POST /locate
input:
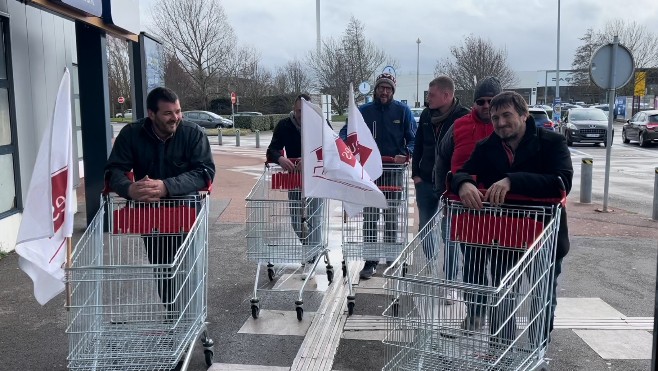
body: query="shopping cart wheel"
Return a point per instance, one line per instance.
(255, 308)
(404, 269)
(350, 308)
(395, 307)
(330, 273)
(208, 354)
(270, 274)
(344, 267)
(299, 309)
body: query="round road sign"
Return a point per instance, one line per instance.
(601, 66)
(121, 100)
(364, 87)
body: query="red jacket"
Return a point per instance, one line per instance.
(467, 132)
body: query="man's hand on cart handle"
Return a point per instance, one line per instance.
(400, 159)
(417, 179)
(471, 196)
(497, 192)
(147, 190)
(286, 164)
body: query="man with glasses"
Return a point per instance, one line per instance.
(393, 127)
(453, 151)
(435, 121)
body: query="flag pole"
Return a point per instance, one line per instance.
(69, 255)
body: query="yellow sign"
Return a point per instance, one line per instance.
(640, 83)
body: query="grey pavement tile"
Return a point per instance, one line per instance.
(585, 308)
(277, 322)
(618, 344)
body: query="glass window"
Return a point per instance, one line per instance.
(7, 183)
(3, 63)
(192, 115)
(5, 120)
(203, 116)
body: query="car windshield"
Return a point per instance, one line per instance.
(539, 116)
(417, 112)
(214, 115)
(589, 115)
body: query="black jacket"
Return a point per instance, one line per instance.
(183, 162)
(286, 136)
(427, 137)
(540, 159)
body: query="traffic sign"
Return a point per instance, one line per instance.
(389, 70)
(364, 87)
(604, 63)
(121, 100)
(234, 98)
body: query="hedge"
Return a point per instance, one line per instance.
(262, 123)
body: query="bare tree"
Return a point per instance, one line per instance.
(177, 79)
(293, 78)
(581, 63)
(198, 34)
(474, 60)
(352, 59)
(642, 43)
(118, 62)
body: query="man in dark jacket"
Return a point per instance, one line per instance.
(393, 127)
(287, 136)
(168, 157)
(442, 111)
(521, 159)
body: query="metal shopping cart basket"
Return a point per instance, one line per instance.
(507, 260)
(283, 227)
(138, 294)
(378, 234)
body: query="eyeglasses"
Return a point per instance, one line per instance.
(481, 102)
(384, 88)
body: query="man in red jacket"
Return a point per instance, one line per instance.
(453, 151)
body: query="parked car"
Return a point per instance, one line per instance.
(643, 127)
(585, 125)
(208, 120)
(541, 118)
(416, 112)
(128, 114)
(606, 109)
(247, 114)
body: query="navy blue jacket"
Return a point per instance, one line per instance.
(392, 125)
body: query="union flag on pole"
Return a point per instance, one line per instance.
(48, 215)
(330, 169)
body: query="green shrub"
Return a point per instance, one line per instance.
(276, 118)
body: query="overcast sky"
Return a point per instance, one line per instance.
(286, 29)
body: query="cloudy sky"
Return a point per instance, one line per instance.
(286, 29)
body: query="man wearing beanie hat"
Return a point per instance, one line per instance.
(393, 127)
(452, 152)
(441, 112)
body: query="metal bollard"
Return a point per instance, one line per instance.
(237, 137)
(220, 138)
(655, 197)
(257, 138)
(586, 180)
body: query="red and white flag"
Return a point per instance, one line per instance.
(49, 207)
(330, 169)
(361, 142)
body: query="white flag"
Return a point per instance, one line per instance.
(330, 170)
(363, 145)
(49, 207)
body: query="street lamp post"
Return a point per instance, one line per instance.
(557, 68)
(417, 74)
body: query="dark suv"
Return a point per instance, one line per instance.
(585, 125)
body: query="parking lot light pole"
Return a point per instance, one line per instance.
(417, 74)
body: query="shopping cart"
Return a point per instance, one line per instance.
(283, 227)
(138, 294)
(378, 234)
(512, 247)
